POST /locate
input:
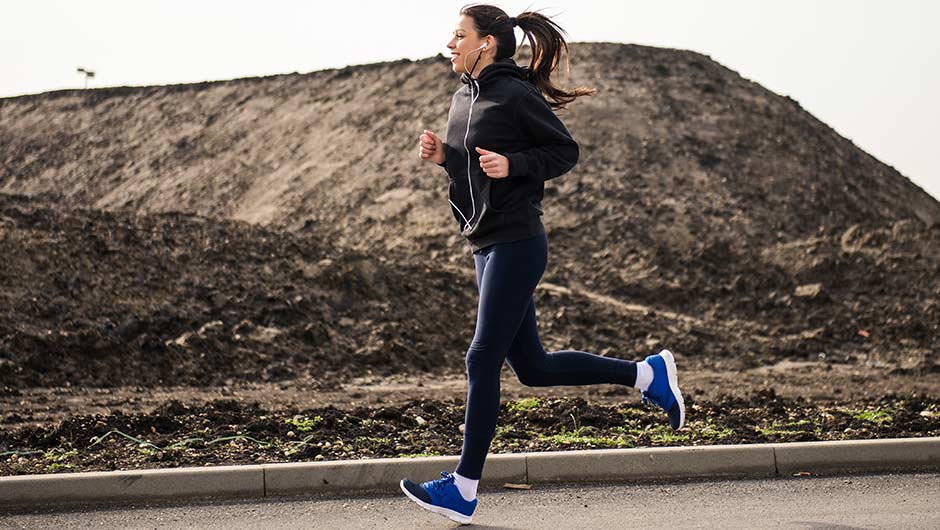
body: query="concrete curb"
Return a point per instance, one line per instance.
(747, 460)
(108, 486)
(861, 455)
(377, 473)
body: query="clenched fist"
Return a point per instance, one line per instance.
(494, 165)
(431, 147)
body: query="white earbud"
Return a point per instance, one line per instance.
(468, 224)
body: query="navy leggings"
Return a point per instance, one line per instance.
(507, 274)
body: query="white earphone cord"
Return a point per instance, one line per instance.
(473, 99)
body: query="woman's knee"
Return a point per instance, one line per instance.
(482, 362)
(529, 374)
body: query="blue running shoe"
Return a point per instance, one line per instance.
(441, 496)
(664, 390)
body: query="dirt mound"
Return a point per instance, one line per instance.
(113, 298)
(674, 147)
(108, 298)
(284, 225)
(869, 292)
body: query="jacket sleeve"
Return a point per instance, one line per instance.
(555, 151)
(452, 157)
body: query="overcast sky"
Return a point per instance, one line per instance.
(869, 69)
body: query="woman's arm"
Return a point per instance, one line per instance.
(555, 152)
(452, 156)
(447, 154)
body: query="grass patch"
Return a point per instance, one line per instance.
(523, 405)
(417, 455)
(59, 459)
(635, 428)
(776, 430)
(664, 434)
(584, 435)
(788, 428)
(668, 437)
(571, 438)
(877, 417)
(712, 432)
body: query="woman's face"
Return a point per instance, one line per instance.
(465, 44)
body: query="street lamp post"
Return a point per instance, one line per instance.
(88, 73)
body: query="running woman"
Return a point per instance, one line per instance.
(503, 142)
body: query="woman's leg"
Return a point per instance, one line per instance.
(507, 276)
(536, 367)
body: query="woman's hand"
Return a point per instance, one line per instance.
(494, 165)
(431, 147)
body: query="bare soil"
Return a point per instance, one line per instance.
(112, 429)
(109, 299)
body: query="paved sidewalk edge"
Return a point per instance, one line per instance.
(261, 480)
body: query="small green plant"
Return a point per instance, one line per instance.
(302, 423)
(59, 459)
(878, 417)
(501, 430)
(295, 446)
(574, 419)
(523, 405)
(361, 440)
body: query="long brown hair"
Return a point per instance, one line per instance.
(546, 39)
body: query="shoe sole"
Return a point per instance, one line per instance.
(446, 512)
(671, 372)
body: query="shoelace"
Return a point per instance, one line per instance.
(440, 483)
(647, 398)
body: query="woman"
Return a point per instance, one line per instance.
(503, 142)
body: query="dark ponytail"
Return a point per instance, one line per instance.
(545, 39)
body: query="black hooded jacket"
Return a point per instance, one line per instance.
(501, 111)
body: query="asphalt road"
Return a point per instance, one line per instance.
(844, 501)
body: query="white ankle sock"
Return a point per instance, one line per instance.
(644, 375)
(467, 486)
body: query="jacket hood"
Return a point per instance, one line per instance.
(498, 68)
